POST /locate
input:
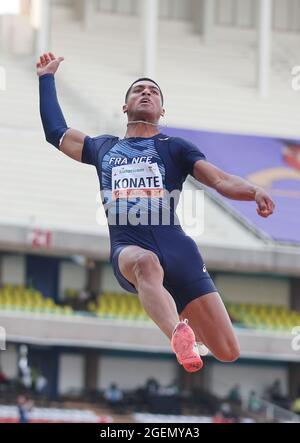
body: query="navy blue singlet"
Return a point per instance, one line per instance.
(140, 181)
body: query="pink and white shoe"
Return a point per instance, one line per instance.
(202, 349)
(184, 345)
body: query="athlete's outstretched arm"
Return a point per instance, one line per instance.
(233, 187)
(69, 141)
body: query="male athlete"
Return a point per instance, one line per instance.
(154, 259)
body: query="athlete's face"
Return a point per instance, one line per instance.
(144, 102)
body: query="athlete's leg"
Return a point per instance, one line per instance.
(211, 324)
(142, 268)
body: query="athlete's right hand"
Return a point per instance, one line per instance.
(48, 64)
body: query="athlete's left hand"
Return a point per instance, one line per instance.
(265, 205)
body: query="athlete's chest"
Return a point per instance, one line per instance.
(136, 166)
(131, 152)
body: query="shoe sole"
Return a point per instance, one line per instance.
(193, 362)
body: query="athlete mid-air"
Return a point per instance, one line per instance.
(150, 257)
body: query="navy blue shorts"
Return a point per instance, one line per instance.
(185, 274)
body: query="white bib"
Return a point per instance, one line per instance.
(138, 180)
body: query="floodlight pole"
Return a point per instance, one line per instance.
(41, 22)
(264, 47)
(150, 28)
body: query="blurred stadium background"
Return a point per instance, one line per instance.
(225, 67)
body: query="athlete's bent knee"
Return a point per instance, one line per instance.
(146, 265)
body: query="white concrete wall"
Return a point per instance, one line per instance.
(294, 22)
(286, 15)
(9, 361)
(13, 269)
(168, 9)
(130, 373)
(71, 276)
(250, 377)
(16, 34)
(253, 289)
(71, 372)
(224, 12)
(246, 13)
(86, 331)
(243, 13)
(236, 13)
(280, 14)
(239, 13)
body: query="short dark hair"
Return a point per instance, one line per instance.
(140, 80)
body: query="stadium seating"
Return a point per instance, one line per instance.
(255, 316)
(121, 306)
(261, 316)
(219, 91)
(29, 300)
